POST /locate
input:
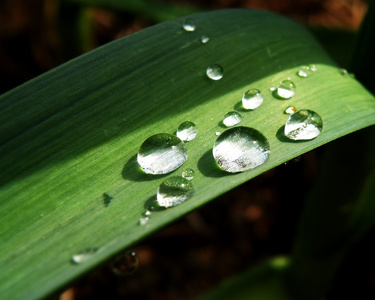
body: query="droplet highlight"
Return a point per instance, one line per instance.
(313, 68)
(303, 125)
(161, 153)
(241, 149)
(290, 110)
(187, 131)
(143, 221)
(174, 191)
(83, 256)
(215, 72)
(188, 25)
(125, 264)
(252, 99)
(232, 118)
(188, 174)
(286, 89)
(204, 39)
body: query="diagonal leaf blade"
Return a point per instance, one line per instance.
(69, 138)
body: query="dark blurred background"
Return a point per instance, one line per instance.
(253, 222)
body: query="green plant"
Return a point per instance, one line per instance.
(70, 138)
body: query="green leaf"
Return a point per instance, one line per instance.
(70, 180)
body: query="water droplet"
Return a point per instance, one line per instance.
(173, 191)
(188, 174)
(240, 149)
(343, 72)
(313, 68)
(125, 264)
(303, 125)
(214, 72)
(304, 71)
(189, 25)
(218, 133)
(161, 153)
(290, 110)
(187, 131)
(204, 39)
(232, 118)
(143, 221)
(272, 89)
(83, 256)
(286, 89)
(252, 99)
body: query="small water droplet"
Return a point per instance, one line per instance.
(232, 118)
(143, 221)
(252, 99)
(290, 110)
(304, 71)
(214, 72)
(204, 39)
(218, 133)
(161, 153)
(147, 213)
(286, 89)
(188, 174)
(272, 89)
(173, 191)
(83, 256)
(187, 131)
(126, 264)
(240, 149)
(303, 125)
(313, 68)
(344, 72)
(189, 25)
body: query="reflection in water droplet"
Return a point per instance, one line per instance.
(187, 131)
(303, 125)
(232, 118)
(214, 72)
(252, 99)
(161, 153)
(173, 191)
(304, 71)
(83, 256)
(188, 174)
(218, 133)
(313, 68)
(290, 110)
(286, 89)
(240, 149)
(143, 221)
(272, 88)
(125, 264)
(189, 25)
(204, 39)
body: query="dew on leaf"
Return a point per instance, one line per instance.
(189, 25)
(232, 118)
(241, 149)
(187, 131)
(188, 174)
(303, 125)
(83, 256)
(214, 72)
(252, 99)
(161, 154)
(174, 191)
(286, 89)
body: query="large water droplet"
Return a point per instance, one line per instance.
(189, 25)
(204, 39)
(83, 256)
(304, 71)
(240, 149)
(252, 99)
(188, 174)
(303, 125)
(286, 89)
(125, 264)
(161, 153)
(173, 191)
(187, 131)
(215, 72)
(232, 118)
